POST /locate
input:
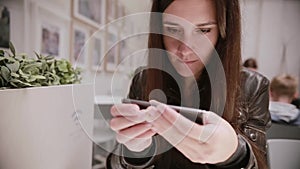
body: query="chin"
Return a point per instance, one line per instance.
(187, 71)
(184, 71)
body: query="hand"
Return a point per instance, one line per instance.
(213, 142)
(132, 130)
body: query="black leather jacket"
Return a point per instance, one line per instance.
(253, 121)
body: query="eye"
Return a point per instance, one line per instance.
(173, 30)
(203, 30)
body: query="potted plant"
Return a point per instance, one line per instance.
(46, 115)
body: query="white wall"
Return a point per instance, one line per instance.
(267, 26)
(135, 6)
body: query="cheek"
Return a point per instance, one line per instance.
(170, 44)
(213, 37)
(204, 46)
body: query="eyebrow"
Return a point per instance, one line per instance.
(171, 23)
(198, 25)
(207, 23)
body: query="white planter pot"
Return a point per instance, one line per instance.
(39, 128)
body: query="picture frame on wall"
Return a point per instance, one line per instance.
(120, 10)
(91, 12)
(5, 27)
(112, 48)
(51, 39)
(111, 10)
(97, 51)
(120, 13)
(79, 49)
(52, 33)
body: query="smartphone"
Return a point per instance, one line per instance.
(195, 115)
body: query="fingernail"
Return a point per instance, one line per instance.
(154, 102)
(161, 107)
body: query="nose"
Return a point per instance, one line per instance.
(184, 51)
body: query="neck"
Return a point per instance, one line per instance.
(189, 82)
(283, 99)
(188, 87)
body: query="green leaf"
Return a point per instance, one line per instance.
(2, 82)
(2, 58)
(10, 59)
(5, 73)
(12, 49)
(23, 84)
(62, 66)
(52, 66)
(14, 75)
(49, 58)
(37, 55)
(19, 70)
(31, 66)
(14, 85)
(31, 79)
(14, 67)
(38, 77)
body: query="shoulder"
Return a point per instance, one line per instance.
(253, 82)
(297, 122)
(252, 77)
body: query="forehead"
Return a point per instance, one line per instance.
(194, 11)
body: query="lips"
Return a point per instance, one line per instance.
(188, 61)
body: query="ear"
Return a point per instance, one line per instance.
(272, 95)
(296, 95)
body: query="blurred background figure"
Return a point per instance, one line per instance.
(283, 89)
(296, 102)
(251, 64)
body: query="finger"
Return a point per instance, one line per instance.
(212, 123)
(164, 128)
(120, 123)
(127, 134)
(124, 110)
(146, 135)
(184, 142)
(187, 127)
(211, 118)
(150, 114)
(184, 125)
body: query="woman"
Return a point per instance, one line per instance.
(159, 137)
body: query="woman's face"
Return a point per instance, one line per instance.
(190, 34)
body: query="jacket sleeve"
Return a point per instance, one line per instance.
(254, 116)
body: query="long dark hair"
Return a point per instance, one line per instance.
(228, 48)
